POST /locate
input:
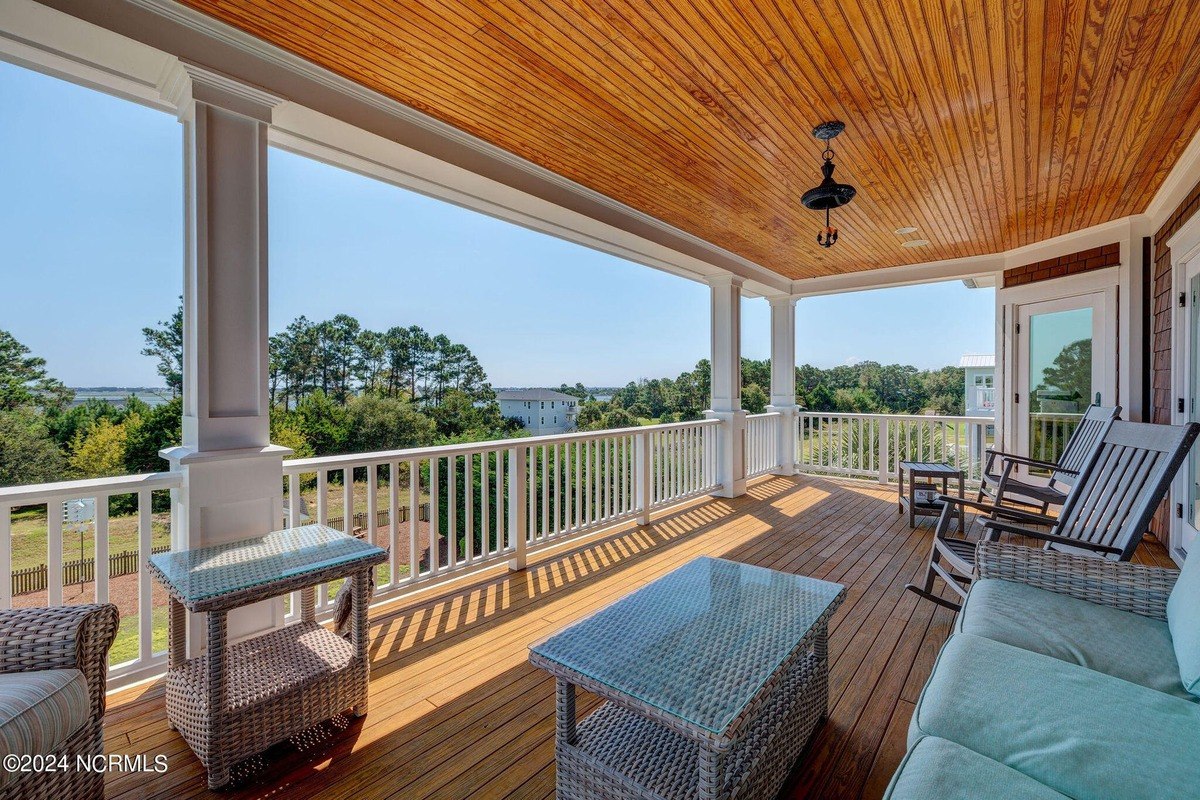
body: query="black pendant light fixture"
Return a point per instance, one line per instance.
(828, 193)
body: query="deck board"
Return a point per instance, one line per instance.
(457, 712)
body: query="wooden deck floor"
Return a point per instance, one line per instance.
(457, 712)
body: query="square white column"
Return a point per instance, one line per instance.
(783, 379)
(726, 385)
(232, 475)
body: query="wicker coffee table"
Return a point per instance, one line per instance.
(238, 700)
(715, 677)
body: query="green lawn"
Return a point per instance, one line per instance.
(125, 648)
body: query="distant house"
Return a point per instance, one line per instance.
(979, 385)
(541, 411)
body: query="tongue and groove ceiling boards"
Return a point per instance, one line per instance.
(986, 124)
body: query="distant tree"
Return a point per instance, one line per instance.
(24, 382)
(1071, 373)
(64, 425)
(286, 431)
(160, 428)
(100, 451)
(27, 453)
(386, 423)
(618, 418)
(164, 342)
(325, 423)
(754, 399)
(590, 416)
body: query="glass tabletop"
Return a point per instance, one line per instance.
(209, 572)
(699, 642)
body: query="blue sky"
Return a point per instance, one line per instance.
(91, 251)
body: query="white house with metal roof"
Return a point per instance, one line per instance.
(979, 384)
(541, 411)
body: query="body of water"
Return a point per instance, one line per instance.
(118, 395)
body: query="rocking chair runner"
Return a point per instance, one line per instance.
(1000, 485)
(1105, 515)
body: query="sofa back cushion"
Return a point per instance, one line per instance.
(1183, 618)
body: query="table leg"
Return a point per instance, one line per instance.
(710, 779)
(564, 709)
(214, 744)
(912, 501)
(360, 632)
(900, 491)
(962, 510)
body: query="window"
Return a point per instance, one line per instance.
(543, 422)
(543, 405)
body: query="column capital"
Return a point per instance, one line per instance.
(782, 299)
(191, 83)
(725, 279)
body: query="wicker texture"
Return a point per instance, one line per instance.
(1121, 585)
(66, 637)
(235, 701)
(631, 748)
(234, 574)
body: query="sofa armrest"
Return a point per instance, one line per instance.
(65, 637)
(1121, 585)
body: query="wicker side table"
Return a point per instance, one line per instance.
(238, 700)
(715, 678)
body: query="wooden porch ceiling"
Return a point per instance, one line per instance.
(987, 125)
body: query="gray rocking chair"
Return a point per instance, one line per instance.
(1105, 515)
(1001, 486)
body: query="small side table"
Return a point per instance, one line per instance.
(933, 471)
(238, 700)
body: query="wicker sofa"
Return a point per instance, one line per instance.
(1065, 676)
(53, 666)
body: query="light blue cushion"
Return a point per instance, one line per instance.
(1118, 643)
(939, 768)
(39, 711)
(1183, 616)
(1080, 732)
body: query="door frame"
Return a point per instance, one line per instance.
(1185, 262)
(1100, 281)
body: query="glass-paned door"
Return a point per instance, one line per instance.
(1060, 370)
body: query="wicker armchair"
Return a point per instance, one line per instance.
(67, 637)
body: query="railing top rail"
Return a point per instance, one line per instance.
(300, 465)
(34, 494)
(764, 414)
(904, 417)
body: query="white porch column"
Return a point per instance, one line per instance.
(783, 378)
(726, 384)
(232, 485)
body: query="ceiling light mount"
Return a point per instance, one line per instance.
(828, 194)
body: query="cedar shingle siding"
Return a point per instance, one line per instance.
(1161, 331)
(1084, 261)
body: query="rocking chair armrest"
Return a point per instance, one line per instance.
(1000, 526)
(1007, 512)
(1035, 462)
(1117, 584)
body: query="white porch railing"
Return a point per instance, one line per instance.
(443, 510)
(762, 443)
(440, 511)
(1049, 432)
(42, 513)
(873, 445)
